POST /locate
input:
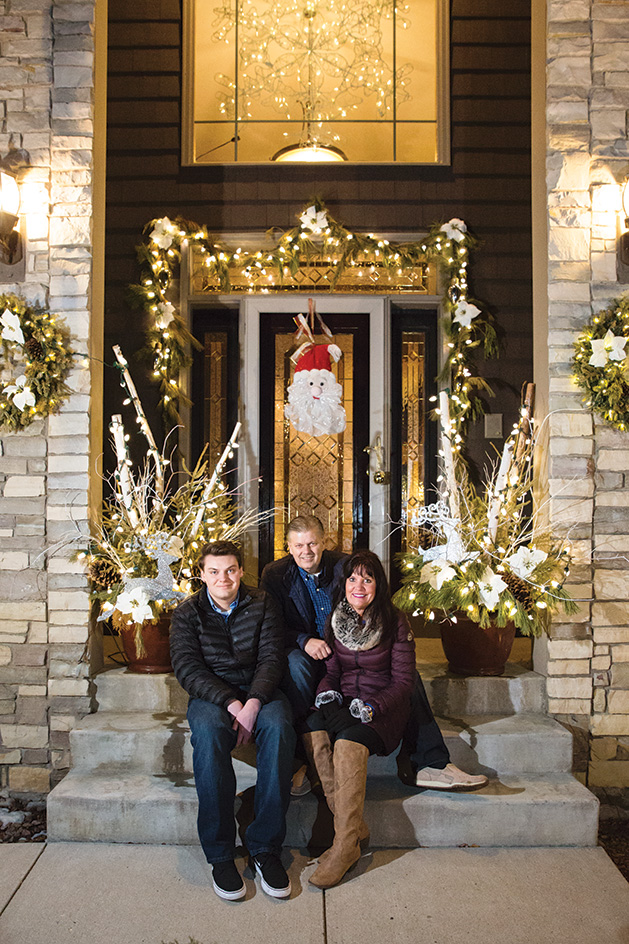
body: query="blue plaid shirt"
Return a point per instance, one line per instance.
(321, 599)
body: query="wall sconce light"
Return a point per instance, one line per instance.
(10, 240)
(624, 238)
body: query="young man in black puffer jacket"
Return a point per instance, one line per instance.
(227, 650)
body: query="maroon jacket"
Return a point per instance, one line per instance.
(382, 676)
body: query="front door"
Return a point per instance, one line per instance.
(387, 370)
(303, 474)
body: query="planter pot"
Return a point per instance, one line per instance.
(156, 640)
(471, 650)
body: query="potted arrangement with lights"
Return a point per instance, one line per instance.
(141, 560)
(485, 567)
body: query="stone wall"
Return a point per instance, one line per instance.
(46, 102)
(587, 158)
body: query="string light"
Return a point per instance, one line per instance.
(300, 247)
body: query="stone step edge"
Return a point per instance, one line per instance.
(485, 744)
(453, 725)
(516, 811)
(162, 692)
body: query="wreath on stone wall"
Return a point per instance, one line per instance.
(35, 360)
(601, 365)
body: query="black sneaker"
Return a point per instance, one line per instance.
(227, 881)
(275, 881)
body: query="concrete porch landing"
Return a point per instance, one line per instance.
(78, 893)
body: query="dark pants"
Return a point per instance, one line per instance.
(422, 740)
(336, 720)
(302, 675)
(213, 740)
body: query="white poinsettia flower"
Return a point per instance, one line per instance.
(165, 314)
(20, 393)
(600, 356)
(525, 560)
(162, 233)
(491, 586)
(609, 348)
(465, 313)
(135, 603)
(314, 220)
(615, 346)
(454, 229)
(11, 329)
(436, 573)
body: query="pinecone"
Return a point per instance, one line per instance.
(103, 573)
(520, 589)
(34, 349)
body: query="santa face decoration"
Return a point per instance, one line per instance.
(314, 397)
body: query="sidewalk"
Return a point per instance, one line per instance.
(93, 893)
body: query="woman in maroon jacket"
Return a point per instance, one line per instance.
(362, 703)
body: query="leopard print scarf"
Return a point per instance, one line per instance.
(353, 632)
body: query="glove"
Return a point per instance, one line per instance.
(358, 709)
(324, 698)
(338, 719)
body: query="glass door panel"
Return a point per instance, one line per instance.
(317, 475)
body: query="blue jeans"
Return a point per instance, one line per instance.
(212, 743)
(300, 681)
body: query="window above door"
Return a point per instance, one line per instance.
(315, 80)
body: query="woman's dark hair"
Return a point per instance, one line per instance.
(381, 609)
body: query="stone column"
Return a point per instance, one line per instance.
(47, 80)
(587, 157)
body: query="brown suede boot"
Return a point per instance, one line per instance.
(350, 778)
(319, 753)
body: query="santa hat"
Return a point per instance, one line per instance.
(318, 357)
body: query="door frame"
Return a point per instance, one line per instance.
(251, 308)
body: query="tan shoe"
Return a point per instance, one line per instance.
(450, 778)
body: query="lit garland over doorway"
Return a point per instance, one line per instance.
(467, 325)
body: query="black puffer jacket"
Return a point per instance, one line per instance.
(213, 657)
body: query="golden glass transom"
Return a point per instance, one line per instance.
(316, 275)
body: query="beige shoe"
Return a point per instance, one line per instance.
(450, 778)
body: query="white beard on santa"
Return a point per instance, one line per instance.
(314, 397)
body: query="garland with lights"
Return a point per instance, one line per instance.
(482, 555)
(36, 360)
(467, 325)
(600, 363)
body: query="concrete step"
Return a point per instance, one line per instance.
(451, 696)
(159, 742)
(124, 806)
